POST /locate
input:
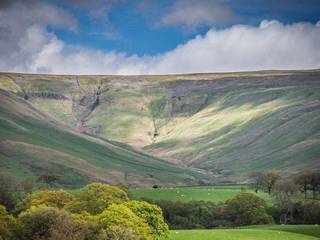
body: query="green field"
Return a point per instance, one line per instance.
(311, 230)
(237, 234)
(212, 194)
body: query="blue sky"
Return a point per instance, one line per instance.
(164, 36)
(128, 28)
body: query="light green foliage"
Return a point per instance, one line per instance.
(247, 209)
(50, 198)
(152, 214)
(119, 219)
(210, 193)
(7, 224)
(96, 197)
(236, 234)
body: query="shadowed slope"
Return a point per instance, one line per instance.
(33, 144)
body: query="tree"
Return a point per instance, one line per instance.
(304, 181)
(48, 198)
(246, 209)
(9, 185)
(7, 224)
(117, 220)
(96, 197)
(48, 178)
(315, 183)
(51, 224)
(257, 180)
(269, 180)
(153, 216)
(284, 192)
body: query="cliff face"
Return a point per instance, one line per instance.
(225, 124)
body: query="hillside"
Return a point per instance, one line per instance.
(33, 144)
(225, 124)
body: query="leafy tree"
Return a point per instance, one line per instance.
(49, 223)
(119, 220)
(7, 224)
(96, 197)
(246, 209)
(48, 198)
(153, 216)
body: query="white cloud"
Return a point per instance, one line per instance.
(191, 14)
(271, 45)
(23, 31)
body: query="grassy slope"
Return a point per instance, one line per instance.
(227, 124)
(237, 234)
(211, 194)
(32, 144)
(311, 230)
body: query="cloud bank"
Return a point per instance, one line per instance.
(26, 45)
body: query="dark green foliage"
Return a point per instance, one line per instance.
(194, 214)
(247, 209)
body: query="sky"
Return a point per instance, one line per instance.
(158, 36)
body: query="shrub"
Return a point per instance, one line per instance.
(7, 224)
(96, 197)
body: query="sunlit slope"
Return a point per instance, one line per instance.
(31, 144)
(249, 128)
(226, 124)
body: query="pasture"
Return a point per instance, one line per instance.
(256, 233)
(185, 194)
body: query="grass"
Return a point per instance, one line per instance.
(211, 194)
(237, 234)
(311, 230)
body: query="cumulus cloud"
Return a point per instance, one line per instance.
(23, 30)
(191, 14)
(27, 46)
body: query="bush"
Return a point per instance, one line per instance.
(7, 224)
(50, 223)
(48, 198)
(247, 209)
(153, 216)
(96, 197)
(119, 222)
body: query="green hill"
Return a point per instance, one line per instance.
(225, 125)
(33, 144)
